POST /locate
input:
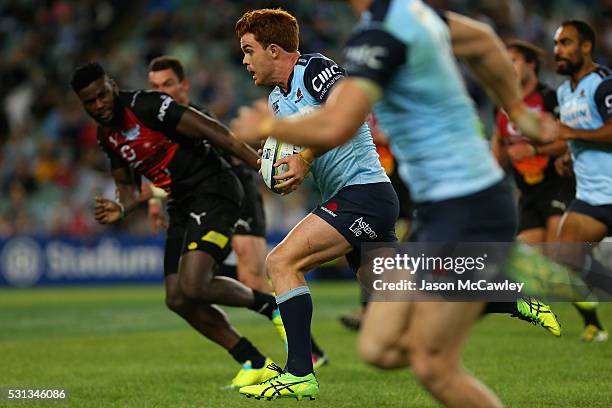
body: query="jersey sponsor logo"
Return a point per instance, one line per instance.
(576, 114)
(197, 217)
(299, 95)
(216, 238)
(325, 75)
(131, 134)
(367, 55)
(359, 226)
(162, 109)
(330, 208)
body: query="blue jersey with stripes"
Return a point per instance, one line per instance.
(356, 161)
(436, 136)
(589, 106)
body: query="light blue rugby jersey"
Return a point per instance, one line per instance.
(355, 162)
(435, 133)
(589, 106)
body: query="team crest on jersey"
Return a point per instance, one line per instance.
(299, 95)
(582, 93)
(131, 134)
(275, 107)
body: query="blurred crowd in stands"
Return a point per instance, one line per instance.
(50, 164)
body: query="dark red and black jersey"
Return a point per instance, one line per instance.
(145, 139)
(538, 170)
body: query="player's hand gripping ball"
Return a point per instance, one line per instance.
(273, 151)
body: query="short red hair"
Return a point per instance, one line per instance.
(270, 26)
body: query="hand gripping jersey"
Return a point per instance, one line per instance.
(144, 138)
(589, 106)
(404, 46)
(355, 162)
(536, 171)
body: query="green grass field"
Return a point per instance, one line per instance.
(120, 347)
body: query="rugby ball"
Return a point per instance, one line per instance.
(273, 151)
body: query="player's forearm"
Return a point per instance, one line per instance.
(128, 195)
(197, 125)
(225, 140)
(158, 193)
(317, 131)
(480, 48)
(331, 126)
(557, 148)
(494, 70)
(312, 153)
(601, 135)
(127, 183)
(498, 150)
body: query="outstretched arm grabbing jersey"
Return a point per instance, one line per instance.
(352, 99)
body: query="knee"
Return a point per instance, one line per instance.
(277, 263)
(194, 284)
(176, 302)
(379, 353)
(370, 351)
(191, 291)
(432, 369)
(250, 250)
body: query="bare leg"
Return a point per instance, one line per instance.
(251, 254)
(532, 235)
(198, 284)
(310, 243)
(383, 325)
(207, 319)
(435, 341)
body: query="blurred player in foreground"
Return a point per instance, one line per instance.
(148, 134)
(352, 320)
(401, 57)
